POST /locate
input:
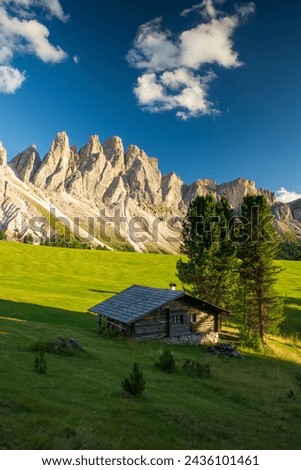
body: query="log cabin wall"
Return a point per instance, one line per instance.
(204, 323)
(185, 319)
(179, 319)
(153, 326)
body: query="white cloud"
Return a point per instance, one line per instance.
(154, 49)
(177, 89)
(23, 7)
(22, 32)
(244, 10)
(76, 59)
(282, 195)
(174, 75)
(10, 79)
(206, 8)
(210, 43)
(149, 90)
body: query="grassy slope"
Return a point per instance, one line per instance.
(45, 292)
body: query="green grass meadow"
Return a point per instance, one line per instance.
(252, 403)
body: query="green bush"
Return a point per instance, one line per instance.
(289, 250)
(135, 384)
(196, 369)
(291, 396)
(2, 235)
(40, 363)
(298, 379)
(124, 247)
(250, 340)
(65, 242)
(28, 239)
(166, 362)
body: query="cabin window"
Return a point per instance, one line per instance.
(178, 319)
(193, 318)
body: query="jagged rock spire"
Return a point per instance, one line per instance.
(114, 151)
(3, 155)
(93, 147)
(26, 164)
(57, 164)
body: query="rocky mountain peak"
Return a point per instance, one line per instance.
(114, 151)
(61, 141)
(59, 150)
(295, 207)
(3, 155)
(133, 154)
(236, 190)
(201, 187)
(143, 176)
(57, 164)
(94, 139)
(26, 164)
(271, 196)
(172, 188)
(92, 148)
(114, 141)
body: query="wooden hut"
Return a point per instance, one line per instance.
(147, 313)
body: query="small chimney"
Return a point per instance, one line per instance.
(172, 286)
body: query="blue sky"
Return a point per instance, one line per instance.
(211, 88)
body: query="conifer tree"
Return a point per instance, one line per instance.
(261, 307)
(210, 271)
(135, 384)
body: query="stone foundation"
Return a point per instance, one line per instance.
(208, 338)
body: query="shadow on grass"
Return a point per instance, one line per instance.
(292, 310)
(293, 301)
(26, 312)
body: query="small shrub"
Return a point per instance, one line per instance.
(124, 247)
(37, 346)
(28, 239)
(102, 248)
(67, 241)
(40, 364)
(166, 362)
(135, 384)
(2, 235)
(196, 369)
(291, 396)
(250, 340)
(203, 370)
(298, 379)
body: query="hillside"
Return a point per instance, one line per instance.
(45, 292)
(110, 196)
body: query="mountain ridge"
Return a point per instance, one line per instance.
(102, 181)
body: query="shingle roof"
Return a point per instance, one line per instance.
(135, 302)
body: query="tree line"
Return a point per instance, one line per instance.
(230, 261)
